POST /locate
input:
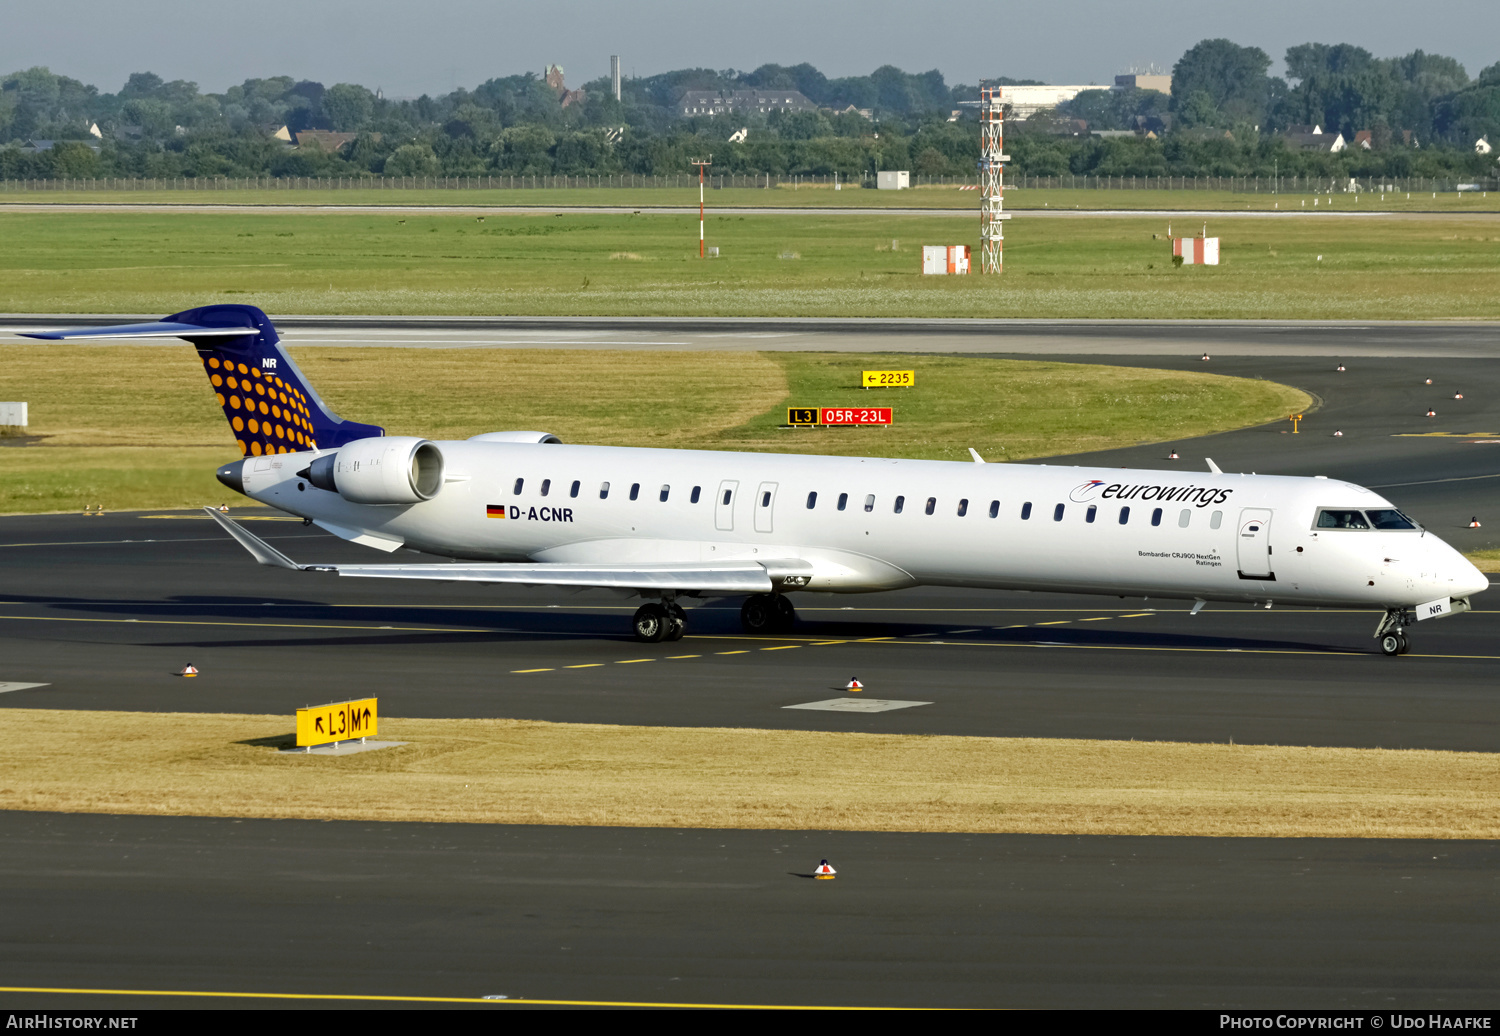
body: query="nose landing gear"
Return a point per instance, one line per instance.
(1392, 631)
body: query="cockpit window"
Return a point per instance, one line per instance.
(1390, 519)
(1328, 518)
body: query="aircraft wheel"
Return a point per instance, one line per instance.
(786, 614)
(1405, 644)
(1392, 644)
(758, 613)
(676, 623)
(651, 623)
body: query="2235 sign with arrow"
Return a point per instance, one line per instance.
(341, 721)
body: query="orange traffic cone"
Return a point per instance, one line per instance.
(189, 670)
(854, 684)
(1473, 523)
(823, 872)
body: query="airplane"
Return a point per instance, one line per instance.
(678, 526)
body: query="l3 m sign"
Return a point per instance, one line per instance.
(1199, 251)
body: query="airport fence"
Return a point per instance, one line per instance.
(1235, 184)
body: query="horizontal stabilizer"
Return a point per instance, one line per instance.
(721, 577)
(155, 329)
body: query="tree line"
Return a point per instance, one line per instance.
(1225, 116)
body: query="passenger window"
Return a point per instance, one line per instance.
(1185, 517)
(1156, 516)
(1216, 519)
(1124, 515)
(900, 503)
(664, 491)
(963, 508)
(697, 491)
(519, 482)
(843, 500)
(1090, 514)
(812, 500)
(1026, 511)
(1057, 513)
(994, 508)
(931, 504)
(635, 490)
(576, 486)
(727, 494)
(546, 485)
(870, 502)
(765, 499)
(603, 490)
(1341, 520)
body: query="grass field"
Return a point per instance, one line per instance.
(790, 197)
(526, 772)
(137, 426)
(775, 265)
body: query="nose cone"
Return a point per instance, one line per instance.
(232, 475)
(1469, 580)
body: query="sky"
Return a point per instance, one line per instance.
(409, 49)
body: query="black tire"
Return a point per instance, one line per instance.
(676, 623)
(1405, 644)
(786, 614)
(1391, 644)
(651, 623)
(758, 614)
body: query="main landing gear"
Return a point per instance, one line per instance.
(1392, 631)
(657, 622)
(767, 613)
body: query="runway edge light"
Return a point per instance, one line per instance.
(853, 685)
(823, 872)
(189, 670)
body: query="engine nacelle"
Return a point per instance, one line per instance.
(392, 469)
(534, 437)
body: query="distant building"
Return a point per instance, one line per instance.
(326, 140)
(554, 79)
(739, 135)
(614, 75)
(1482, 146)
(1317, 140)
(723, 102)
(1026, 101)
(895, 180)
(1363, 139)
(1132, 81)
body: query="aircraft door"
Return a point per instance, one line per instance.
(765, 506)
(724, 506)
(1254, 544)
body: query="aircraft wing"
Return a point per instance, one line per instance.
(717, 577)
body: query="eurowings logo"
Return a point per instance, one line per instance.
(1085, 492)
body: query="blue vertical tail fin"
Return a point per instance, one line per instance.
(268, 402)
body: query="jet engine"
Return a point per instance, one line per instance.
(392, 469)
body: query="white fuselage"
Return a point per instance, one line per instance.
(1228, 537)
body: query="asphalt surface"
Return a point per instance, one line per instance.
(103, 610)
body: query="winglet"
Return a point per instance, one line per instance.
(1212, 466)
(258, 548)
(975, 454)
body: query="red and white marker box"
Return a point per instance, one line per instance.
(945, 258)
(855, 415)
(1199, 251)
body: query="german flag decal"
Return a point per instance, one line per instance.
(494, 510)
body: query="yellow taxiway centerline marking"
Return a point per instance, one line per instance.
(783, 647)
(629, 661)
(514, 671)
(372, 997)
(586, 665)
(684, 656)
(745, 652)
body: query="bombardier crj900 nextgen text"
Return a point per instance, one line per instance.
(678, 525)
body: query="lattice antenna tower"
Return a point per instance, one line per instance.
(992, 159)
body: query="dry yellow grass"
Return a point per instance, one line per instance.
(526, 772)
